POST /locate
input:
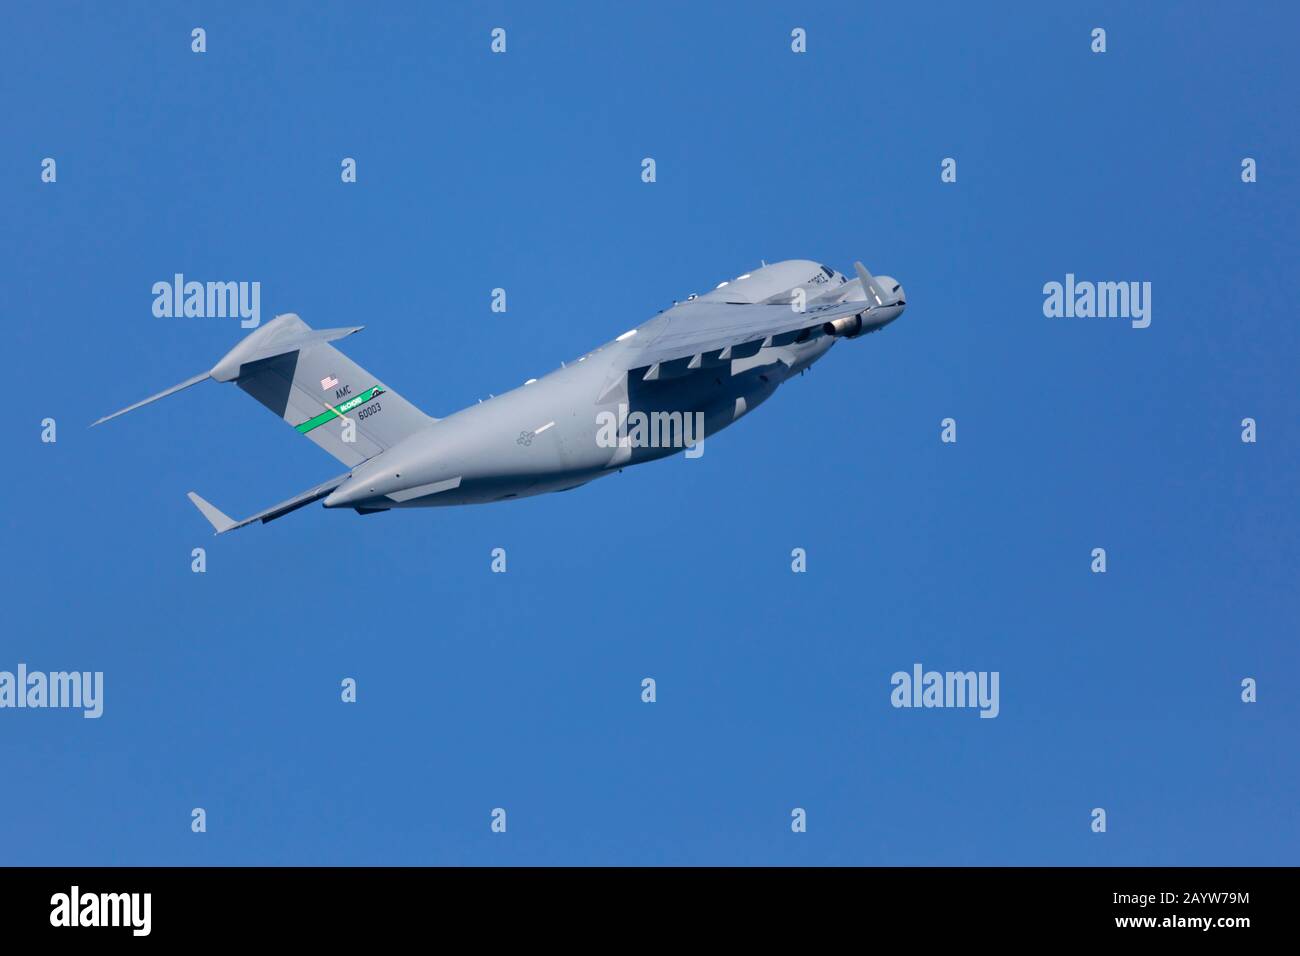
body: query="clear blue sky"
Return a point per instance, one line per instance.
(522, 690)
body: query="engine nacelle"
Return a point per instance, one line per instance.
(846, 326)
(889, 299)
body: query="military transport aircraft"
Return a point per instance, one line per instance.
(663, 386)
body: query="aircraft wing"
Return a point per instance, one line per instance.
(705, 333)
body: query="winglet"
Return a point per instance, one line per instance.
(869, 283)
(218, 519)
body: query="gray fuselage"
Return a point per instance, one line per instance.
(575, 424)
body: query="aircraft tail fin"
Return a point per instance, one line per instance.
(293, 370)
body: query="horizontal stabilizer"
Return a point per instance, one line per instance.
(153, 398)
(279, 339)
(222, 522)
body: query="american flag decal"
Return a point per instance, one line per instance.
(328, 382)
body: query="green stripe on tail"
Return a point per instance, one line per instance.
(338, 411)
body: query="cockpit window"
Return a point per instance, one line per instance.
(829, 272)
